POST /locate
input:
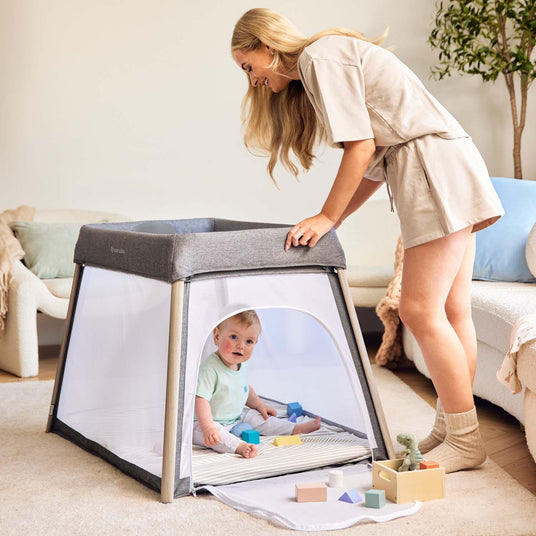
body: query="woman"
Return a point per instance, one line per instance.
(339, 87)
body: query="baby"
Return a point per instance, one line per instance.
(223, 392)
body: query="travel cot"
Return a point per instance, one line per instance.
(146, 297)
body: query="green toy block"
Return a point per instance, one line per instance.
(375, 498)
(251, 436)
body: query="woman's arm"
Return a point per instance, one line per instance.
(364, 191)
(204, 417)
(355, 160)
(254, 402)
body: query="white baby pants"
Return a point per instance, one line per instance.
(229, 442)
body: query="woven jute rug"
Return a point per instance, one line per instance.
(49, 486)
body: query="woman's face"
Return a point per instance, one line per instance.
(257, 64)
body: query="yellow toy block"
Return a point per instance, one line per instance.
(287, 440)
(317, 492)
(408, 486)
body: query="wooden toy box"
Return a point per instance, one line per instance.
(421, 485)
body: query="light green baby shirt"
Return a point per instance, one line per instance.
(226, 390)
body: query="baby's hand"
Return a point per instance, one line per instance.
(211, 436)
(266, 411)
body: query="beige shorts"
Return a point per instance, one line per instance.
(440, 186)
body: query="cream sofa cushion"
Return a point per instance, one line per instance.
(368, 284)
(366, 296)
(60, 287)
(369, 276)
(497, 306)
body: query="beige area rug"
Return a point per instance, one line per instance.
(49, 486)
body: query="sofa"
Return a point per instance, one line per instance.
(503, 296)
(41, 282)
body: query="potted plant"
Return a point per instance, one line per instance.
(488, 38)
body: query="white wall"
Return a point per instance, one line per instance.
(133, 106)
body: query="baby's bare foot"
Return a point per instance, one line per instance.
(306, 427)
(247, 450)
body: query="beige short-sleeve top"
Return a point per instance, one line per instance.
(360, 90)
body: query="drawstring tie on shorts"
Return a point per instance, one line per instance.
(389, 193)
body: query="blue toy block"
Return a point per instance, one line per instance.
(251, 436)
(294, 407)
(237, 429)
(351, 496)
(292, 418)
(375, 498)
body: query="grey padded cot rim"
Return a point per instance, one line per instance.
(180, 249)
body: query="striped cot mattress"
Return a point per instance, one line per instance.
(330, 445)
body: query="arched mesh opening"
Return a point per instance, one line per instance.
(302, 356)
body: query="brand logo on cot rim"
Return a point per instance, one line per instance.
(117, 250)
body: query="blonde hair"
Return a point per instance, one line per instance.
(248, 318)
(276, 123)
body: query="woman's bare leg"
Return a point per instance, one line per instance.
(428, 276)
(436, 306)
(458, 307)
(458, 310)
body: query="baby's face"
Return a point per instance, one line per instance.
(235, 342)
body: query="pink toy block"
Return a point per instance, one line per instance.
(317, 492)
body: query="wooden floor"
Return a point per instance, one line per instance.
(502, 434)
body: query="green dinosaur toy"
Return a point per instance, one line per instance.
(412, 455)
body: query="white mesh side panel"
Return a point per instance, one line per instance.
(302, 355)
(114, 385)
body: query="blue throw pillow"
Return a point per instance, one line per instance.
(500, 248)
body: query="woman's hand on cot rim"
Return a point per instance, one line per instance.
(309, 231)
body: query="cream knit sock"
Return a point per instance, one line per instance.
(438, 433)
(462, 448)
